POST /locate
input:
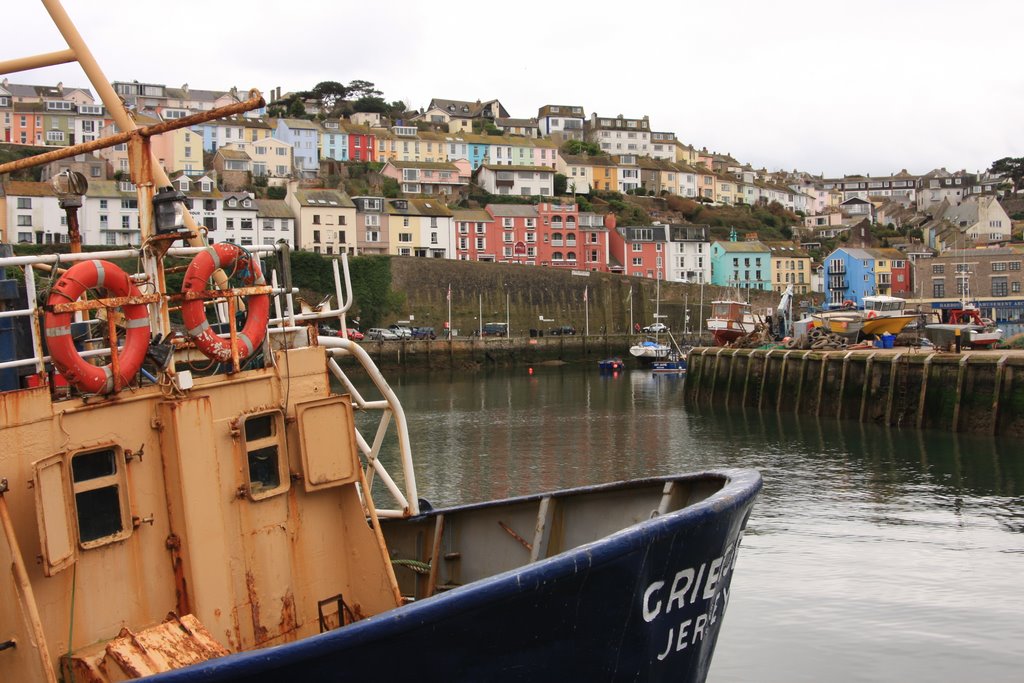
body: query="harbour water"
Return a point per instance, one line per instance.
(872, 555)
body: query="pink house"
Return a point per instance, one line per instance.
(429, 177)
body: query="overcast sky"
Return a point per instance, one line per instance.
(871, 86)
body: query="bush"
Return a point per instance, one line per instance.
(277, 192)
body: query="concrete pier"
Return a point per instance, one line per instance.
(974, 391)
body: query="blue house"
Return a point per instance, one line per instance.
(304, 137)
(745, 265)
(333, 142)
(849, 276)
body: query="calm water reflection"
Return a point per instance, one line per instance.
(871, 555)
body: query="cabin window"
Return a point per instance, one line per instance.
(101, 505)
(264, 441)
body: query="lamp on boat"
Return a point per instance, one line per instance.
(70, 186)
(169, 210)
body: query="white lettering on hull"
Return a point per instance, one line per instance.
(706, 583)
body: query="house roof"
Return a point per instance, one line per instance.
(527, 169)
(631, 233)
(425, 165)
(564, 111)
(787, 249)
(300, 124)
(273, 208)
(417, 207)
(512, 210)
(477, 215)
(520, 123)
(324, 198)
(746, 246)
(236, 154)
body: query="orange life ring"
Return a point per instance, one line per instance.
(872, 314)
(86, 377)
(849, 304)
(193, 311)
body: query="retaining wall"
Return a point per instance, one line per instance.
(980, 391)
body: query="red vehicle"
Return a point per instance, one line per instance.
(353, 334)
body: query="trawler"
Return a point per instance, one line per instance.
(190, 491)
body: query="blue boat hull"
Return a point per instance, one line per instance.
(642, 604)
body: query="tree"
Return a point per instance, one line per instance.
(359, 89)
(1012, 168)
(561, 184)
(296, 109)
(372, 104)
(581, 147)
(329, 93)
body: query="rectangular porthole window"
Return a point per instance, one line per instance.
(264, 450)
(101, 505)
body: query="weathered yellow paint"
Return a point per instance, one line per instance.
(251, 571)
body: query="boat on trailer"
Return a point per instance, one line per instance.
(192, 500)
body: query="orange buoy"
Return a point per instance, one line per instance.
(86, 377)
(193, 311)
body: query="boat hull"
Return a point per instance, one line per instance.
(886, 324)
(649, 352)
(642, 603)
(667, 367)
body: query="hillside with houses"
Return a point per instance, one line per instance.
(339, 170)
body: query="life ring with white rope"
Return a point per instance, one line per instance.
(86, 377)
(193, 311)
(872, 314)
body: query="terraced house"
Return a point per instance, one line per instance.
(420, 227)
(620, 135)
(517, 180)
(428, 177)
(325, 220)
(638, 250)
(743, 265)
(791, 265)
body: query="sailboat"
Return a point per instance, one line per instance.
(652, 349)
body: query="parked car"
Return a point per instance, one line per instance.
(326, 330)
(402, 331)
(353, 334)
(563, 330)
(423, 333)
(495, 330)
(381, 334)
(655, 328)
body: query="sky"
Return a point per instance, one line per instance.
(828, 87)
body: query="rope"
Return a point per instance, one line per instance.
(415, 565)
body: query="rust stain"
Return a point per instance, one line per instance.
(288, 622)
(260, 632)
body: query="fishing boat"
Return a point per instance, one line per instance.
(611, 364)
(885, 314)
(674, 363)
(845, 320)
(730, 320)
(188, 500)
(967, 323)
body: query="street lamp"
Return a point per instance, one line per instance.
(70, 186)
(168, 210)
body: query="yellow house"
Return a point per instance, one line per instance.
(579, 172)
(187, 152)
(386, 146)
(791, 265)
(270, 157)
(727, 190)
(685, 154)
(606, 174)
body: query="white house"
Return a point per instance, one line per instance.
(517, 180)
